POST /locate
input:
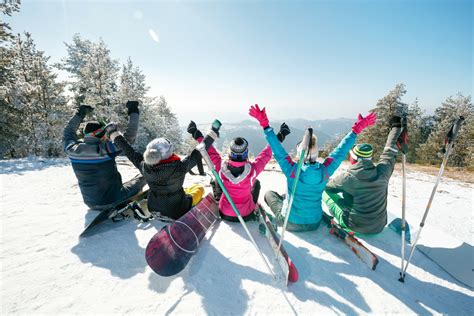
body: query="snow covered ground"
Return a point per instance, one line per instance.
(47, 269)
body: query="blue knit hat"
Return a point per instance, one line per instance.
(239, 149)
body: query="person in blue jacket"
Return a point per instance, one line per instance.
(306, 212)
(93, 160)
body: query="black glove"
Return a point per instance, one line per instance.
(284, 131)
(395, 121)
(403, 121)
(132, 107)
(402, 141)
(84, 109)
(111, 128)
(194, 131)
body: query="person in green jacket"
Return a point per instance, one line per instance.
(363, 205)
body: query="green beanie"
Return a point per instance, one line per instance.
(363, 151)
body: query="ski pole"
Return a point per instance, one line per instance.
(211, 166)
(404, 183)
(304, 143)
(404, 148)
(452, 134)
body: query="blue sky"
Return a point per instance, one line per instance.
(306, 59)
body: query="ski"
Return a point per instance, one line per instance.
(93, 227)
(169, 250)
(369, 258)
(266, 228)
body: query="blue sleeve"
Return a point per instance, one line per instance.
(280, 154)
(339, 154)
(69, 135)
(132, 128)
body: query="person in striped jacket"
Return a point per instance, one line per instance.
(93, 160)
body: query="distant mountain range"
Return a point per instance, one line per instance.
(326, 130)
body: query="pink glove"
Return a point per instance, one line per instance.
(364, 122)
(260, 115)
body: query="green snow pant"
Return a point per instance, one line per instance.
(336, 206)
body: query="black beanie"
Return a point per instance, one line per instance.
(93, 126)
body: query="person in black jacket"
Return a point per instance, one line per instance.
(164, 172)
(93, 160)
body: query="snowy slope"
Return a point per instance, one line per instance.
(47, 269)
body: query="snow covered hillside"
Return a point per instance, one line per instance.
(47, 269)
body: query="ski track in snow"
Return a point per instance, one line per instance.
(46, 268)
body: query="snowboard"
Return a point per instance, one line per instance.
(369, 258)
(266, 228)
(169, 250)
(94, 226)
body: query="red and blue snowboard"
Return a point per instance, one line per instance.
(170, 250)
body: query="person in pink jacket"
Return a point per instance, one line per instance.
(238, 174)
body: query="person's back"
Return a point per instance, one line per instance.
(96, 173)
(165, 173)
(365, 195)
(166, 179)
(364, 188)
(306, 207)
(239, 176)
(93, 159)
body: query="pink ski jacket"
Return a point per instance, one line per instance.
(239, 188)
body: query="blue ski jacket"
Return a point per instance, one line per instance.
(93, 162)
(306, 208)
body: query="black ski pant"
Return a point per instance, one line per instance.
(128, 190)
(275, 202)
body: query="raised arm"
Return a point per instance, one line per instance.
(192, 159)
(212, 135)
(133, 117)
(69, 134)
(389, 155)
(280, 154)
(262, 159)
(135, 157)
(337, 156)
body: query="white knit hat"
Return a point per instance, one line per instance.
(312, 156)
(157, 150)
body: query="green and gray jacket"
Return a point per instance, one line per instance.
(364, 187)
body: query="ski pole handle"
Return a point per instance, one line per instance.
(453, 132)
(202, 149)
(216, 124)
(307, 138)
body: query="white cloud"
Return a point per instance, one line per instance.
(153, 35)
